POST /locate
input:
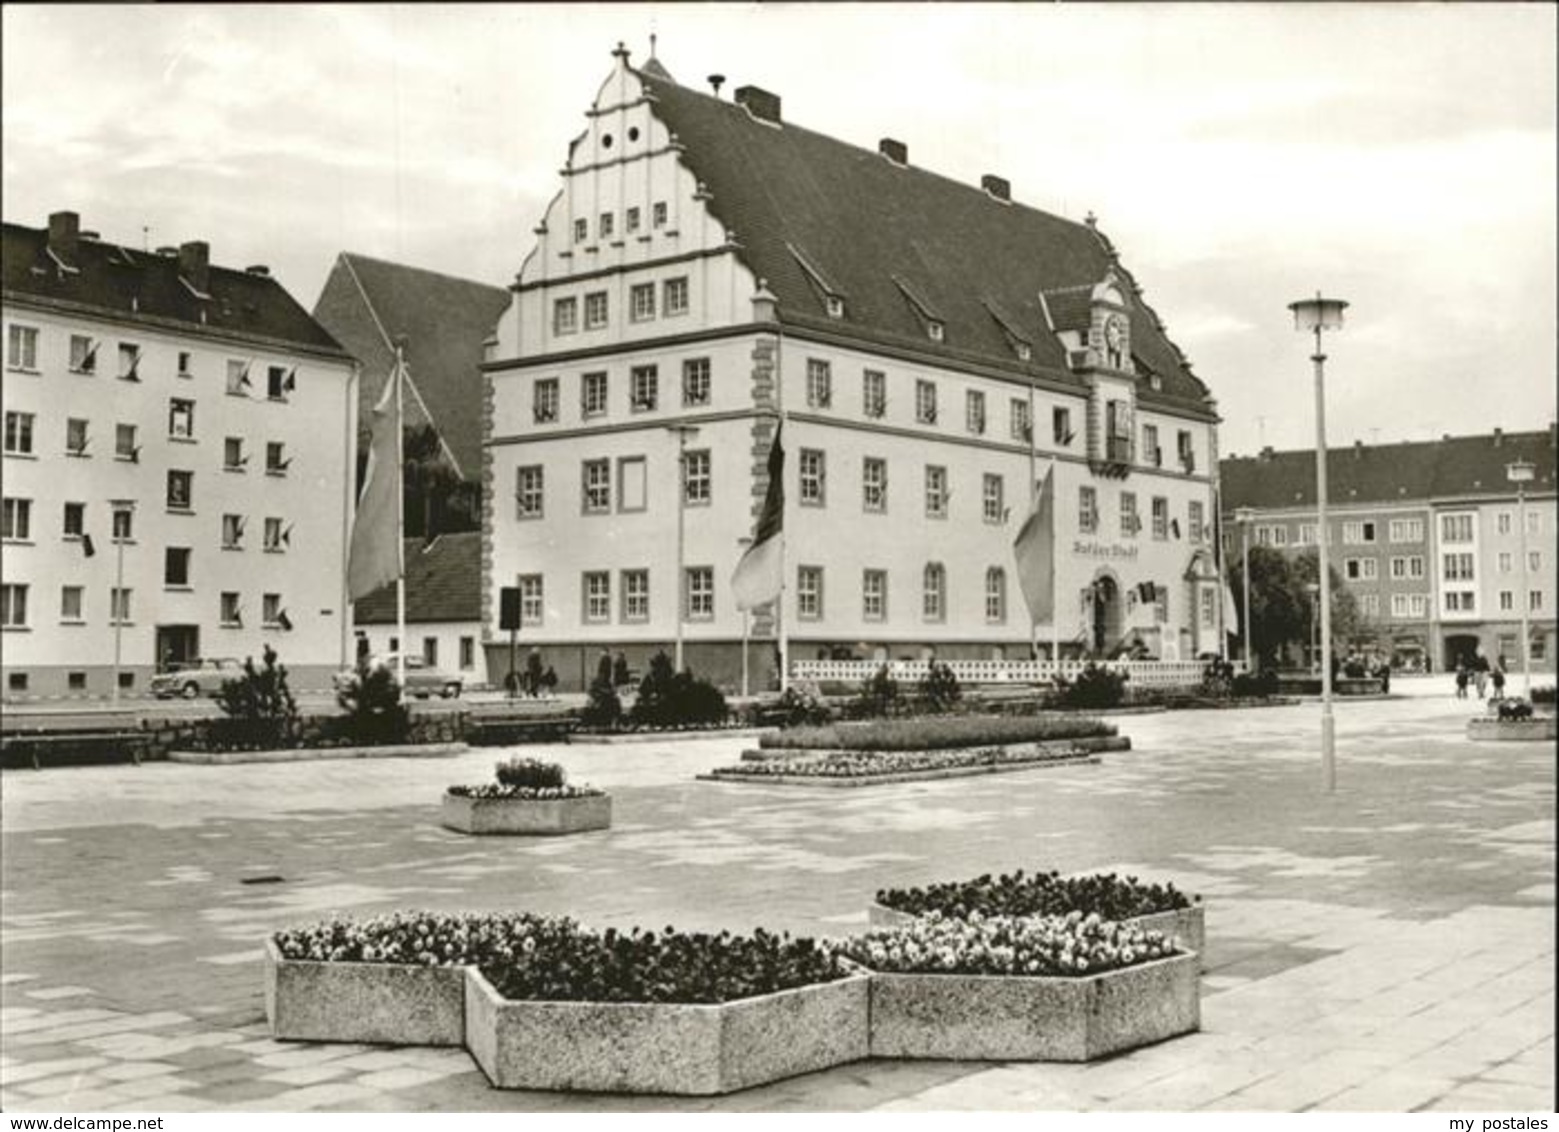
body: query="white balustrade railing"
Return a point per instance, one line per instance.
(1142, 673)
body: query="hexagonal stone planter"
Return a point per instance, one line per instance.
(388, 1003)
(1539, 728)
(533, 817)
(1016, 1018)
(1187, 926)
(686, 1050)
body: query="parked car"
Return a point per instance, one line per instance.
(196, 678)
(422, 679)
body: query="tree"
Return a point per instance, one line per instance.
(1282, 608)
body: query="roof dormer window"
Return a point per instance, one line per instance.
(935, 330)
(1024, 351)
(835, 306)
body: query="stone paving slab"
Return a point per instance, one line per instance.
(1386, 948)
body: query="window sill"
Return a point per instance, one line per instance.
(175, 510)
(226, 546)
(123, 459)
(17, 541)
(83, 372)
(78, 455)
(815, 503)
(72, 621)
(238, 393)
(231, 625)
(121, 624)
(172, 589)
(122, 541)
(276, 473)
(275, 400)
(21, 455)
(182, 440)
(694, 503)
(23, 369)
(239, 468)
(274, 550)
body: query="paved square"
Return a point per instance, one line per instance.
(1389, 947)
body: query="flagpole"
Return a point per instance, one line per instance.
(779, 602)
(1055, 605)
(1033, 495)
(400, 515)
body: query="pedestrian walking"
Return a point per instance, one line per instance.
(1498, 678)
(533, 673)
(1480, 670)
(1461, 679)
(620, 673)
(603, 668)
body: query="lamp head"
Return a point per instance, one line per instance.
(1522, 471)
(1318, 313)
(1244, 514)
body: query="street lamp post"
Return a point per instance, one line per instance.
(1520, 473)
(116, 610)
(684, 434)
(1243, 516)
(1315, 315)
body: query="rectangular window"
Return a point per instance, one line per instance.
(1279, 536)
(1415, 566)
(1456, 567)
(632, 483)
(820, 383)
(641, 302)
(1502, 522)
(1351, 569)
(233, 458)
(874, 484)
(1535, 601)
(644, 388)
(467, 653)
(1456, 528)
(123, 524)
(598, 595)
(71, 603)
(278, 382)
(1087, 510)
(1534, 561)
(275, 536)
(531, 605)
(1130, 523)
(933, 592)
(695, 382)
(1061, 426)
(1160, 518)
(429, 644)
(605, 225)
(593, 395)
(1460, 602)
(75, 520)
(83, 354)
(992, 502)
(631, 219)
(129, 361)
(175, 566)
(696, 479)
(1306, 535)
(232, 532)
(1418, 604)
(529, 483)
(230, 613)
(974, 412)
(1151, 452)
(597, 475)
(119, 605)
(1209, 607)
(16, 518)
(658, 214)
(276, 459)
(13, 603)
(874, 393)
(21, 351)
(1406, 530)
(995, 595)
(581, 230)
(809, 593)
(700, 593)
(1369, 569)
(1196, 523)
(595, 310)
(1371, 604)
(636, 595)
(544, 401)
(181, 490)
(18, 433)
(1507, 600)
(565, 315)
(238, 377)
(674, 297)
(1184, 451)
(1399, 605)
(1537, 647)
(181, 418)
(936, 492)
(811, 465)
(1534, 522)
(76, 436)
(1399, 568)
(184, 369)
(874, 595)
(925, 401)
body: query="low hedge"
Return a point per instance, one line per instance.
(936, 733)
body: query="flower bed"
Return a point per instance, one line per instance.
(849, 768)
(936, 733)
(1069, 988)
(1154, 907)
(1539, 728)
(663, 1013)
(531, 797)
(397, 979)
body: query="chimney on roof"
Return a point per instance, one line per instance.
(1267, 453)
(998, 187)
(258, 269)
(1499, 437)
(894, 150)
(1358, 449)
(195, 264)
(64, 234)
(759, 102)
(715, 83)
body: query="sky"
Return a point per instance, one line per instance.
(1401, 157)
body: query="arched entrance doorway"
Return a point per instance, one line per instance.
(1106, 613)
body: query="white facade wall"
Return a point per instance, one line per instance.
(316, 424)
(448, 647)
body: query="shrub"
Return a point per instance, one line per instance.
(801, 705)
(876, 764)
(1543, 695)
(879, 695)
(374, 711)
(1037, 894)
(603, 709)
(1070, 945)
(1095, 687)
(1263, 683)
(668, 698)
(259, 708)
(931, 734)
(1512, 708)
(938, 689)
(528, 779)
(531, 773)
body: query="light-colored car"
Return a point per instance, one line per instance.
(197, 678)
(422, 679)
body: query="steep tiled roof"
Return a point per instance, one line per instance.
(443, 583)
(367, 303)
(1389, 473)
(129, 284)
(864, 221)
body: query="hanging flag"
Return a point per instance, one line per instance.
(375, 558)
(1034, 549)
(87, 549)
(760, 574)
(1231, 617)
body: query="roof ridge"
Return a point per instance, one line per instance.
(363, 258)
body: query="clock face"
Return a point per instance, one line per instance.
(1115, 332)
